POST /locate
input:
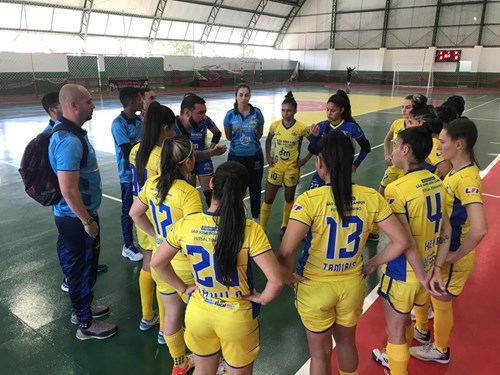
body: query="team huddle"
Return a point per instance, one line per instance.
(200, 261)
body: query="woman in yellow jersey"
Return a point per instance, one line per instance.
(418, 201)
(221, 243)
(468, 220)
(167, 198)
(428, 115)
(330, 288)
(285, 164)
(392, 173)
(145, 163)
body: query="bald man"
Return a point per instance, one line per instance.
(76, 213)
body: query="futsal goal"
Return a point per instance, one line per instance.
(415, 76)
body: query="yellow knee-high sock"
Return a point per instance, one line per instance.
(374, 229)
(161, 309)
(265, 213)
(348, 373)
(409, 335)
(443, 323)
(398, 356)
(287, 207)
(177, 347)
(147, 290)
(421, 317)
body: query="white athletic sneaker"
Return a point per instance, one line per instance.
(429, 352)
(380, 356)
(430, 314)
(221, 370)
(145, 325)
(131, 253)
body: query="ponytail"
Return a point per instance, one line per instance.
(289, 99)
(337, 152)
(341, 100)
(417, 100)
(174, 153)
(230, 183)
(158, 116)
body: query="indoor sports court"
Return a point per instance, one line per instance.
(436, 48)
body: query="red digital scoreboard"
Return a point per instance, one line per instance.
(452, 55)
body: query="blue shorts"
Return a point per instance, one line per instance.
(204, 168)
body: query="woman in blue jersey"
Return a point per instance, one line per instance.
(221, 244)
(338, 111)
(165, 199)
(468, 221)
(145, 163)
(330, 288)
(243, 127)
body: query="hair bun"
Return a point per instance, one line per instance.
(289, 95)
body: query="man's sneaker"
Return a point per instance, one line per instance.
(145, 325)
(373, 237)
(97, 312)
(184, 369)
(380, 356)
(429, 352)
(160, 338)
(97, 330)
(423, 338)
(102, 268)
(65, 286)
(131, 253)
(430, 314)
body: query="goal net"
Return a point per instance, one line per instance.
(416, 76)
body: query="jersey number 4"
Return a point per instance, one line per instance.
(434, 214)
(354, 237)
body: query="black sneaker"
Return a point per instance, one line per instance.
(97, 312)
(97, 330)
(65, 286)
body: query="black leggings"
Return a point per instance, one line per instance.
(255, 166)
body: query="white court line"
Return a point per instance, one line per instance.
(480, 105)
(7, 163)
(112, 198)
(372, 297)
(491, 195)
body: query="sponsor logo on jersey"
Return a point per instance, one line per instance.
(471, 190)
(296, 207)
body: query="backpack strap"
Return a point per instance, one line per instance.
(62, 126)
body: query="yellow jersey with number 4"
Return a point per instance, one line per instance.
(420, 196)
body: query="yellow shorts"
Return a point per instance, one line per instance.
(212, 325)
(402, 295)
(321, 304)
(280, 176)
(456, 275)
(146, 242)
(183, 269)
(391, 174)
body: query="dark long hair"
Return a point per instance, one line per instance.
(341, 100)
(419, 139)
(174, 153)
(240, 86)
(466, 130)
(158, 115)
(230, 183)
(417, 100)
(337, 152)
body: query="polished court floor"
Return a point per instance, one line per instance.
(36, 336)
